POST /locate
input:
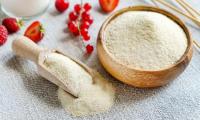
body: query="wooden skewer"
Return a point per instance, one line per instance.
(179, 11)
(189, 6)
(195, 42)
(153, 1)
(186, 8)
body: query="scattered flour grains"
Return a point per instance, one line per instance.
(145, 40)
(94, 95)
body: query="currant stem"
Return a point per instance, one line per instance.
(79, 24)
(81, 3)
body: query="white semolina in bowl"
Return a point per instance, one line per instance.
(144, 46)
(145, 40)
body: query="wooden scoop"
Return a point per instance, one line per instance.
(24, 47)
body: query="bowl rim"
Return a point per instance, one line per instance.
(152, 9)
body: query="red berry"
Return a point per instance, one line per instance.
(108, 5)
(11, 24)
(35, 31)
(61, 5)
(87, 6)
(77, 8)
(85, 25)
(89, 49)
(73, 27)
(89, 20)
(85, 15)
(86, 37)
(3, 34)
(84, 32)
(73, 16)
(76, 33)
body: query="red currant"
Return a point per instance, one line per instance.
(86, 37)
(89, 49)
(77, 8)
(90, 20)
(76, 33)
(84, 32)
(87, 6)
(85, 25)
(85, 15)
(73, 16)
(72, 27)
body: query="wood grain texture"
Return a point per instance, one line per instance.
(26, 48)
(142, 78)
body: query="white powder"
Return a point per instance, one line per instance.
(145, 40)
(92, 97)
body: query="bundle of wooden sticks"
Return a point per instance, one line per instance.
(191, 13)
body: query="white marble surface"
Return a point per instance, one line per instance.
(24, 95)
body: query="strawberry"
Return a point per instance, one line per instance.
(12, 24)
(61, 5)
(3, 34)
(108, 5)
(35, 31)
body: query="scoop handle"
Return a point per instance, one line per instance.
(26, 48)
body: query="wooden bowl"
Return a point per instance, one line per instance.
(142, 78)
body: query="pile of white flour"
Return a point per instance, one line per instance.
(94, 95)
(145, 40)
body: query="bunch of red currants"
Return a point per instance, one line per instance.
(80, 21)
